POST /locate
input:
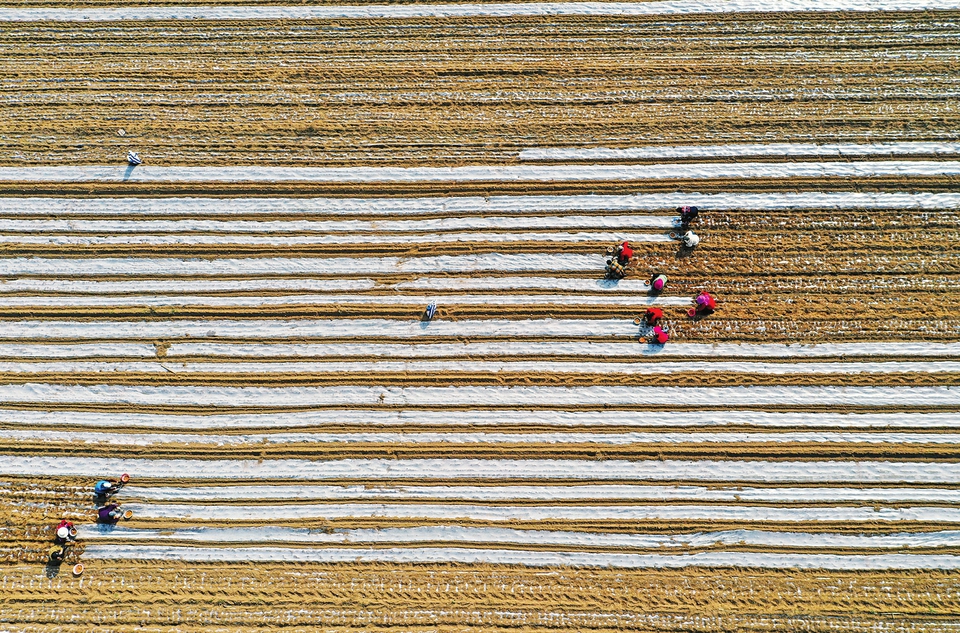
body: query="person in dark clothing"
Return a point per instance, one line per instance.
(687, 215)
(57, 554)
(109, 513)
(615, 270)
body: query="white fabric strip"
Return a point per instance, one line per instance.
(309, 266)
(481, 367)
(456, 534)
(425, 225)
(534, 559)
(474, 396)
(147, 207)
(318, 351)
(396, 12)
(468, 439)
(814, 472)
(307, 285)
(325, 329)
(478, 173)
(469, 205)
(275, 512)
(319, 240)
(503, 492)
(639, 301)
(551, 348)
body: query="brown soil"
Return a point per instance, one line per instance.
(362, 92)
(240, 597)
(477, 91)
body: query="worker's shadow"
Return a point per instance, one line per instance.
(608, 283)
(424, 320)
(684, 252)
(128, 172)
(52, 569)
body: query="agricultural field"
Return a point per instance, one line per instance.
(239, 322)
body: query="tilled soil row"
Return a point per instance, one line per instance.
(164, 596)
(895, 244)
(561, 450)
(351, 91)
(892, 184)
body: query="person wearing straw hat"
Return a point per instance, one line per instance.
(57, 554)
(615, 270)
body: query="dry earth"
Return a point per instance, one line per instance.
(143, 364)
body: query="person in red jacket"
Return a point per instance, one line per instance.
(706, 304)
(624, 253)
(653, 316)
(660, 336)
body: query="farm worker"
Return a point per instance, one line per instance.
(63, 531)
(57, 554)
(705, 303)
(103, 487)
(109, 513)
(659, 282)
(653, 316)
(616, 270)
(687, 215)
(624, 253)
(690, 239)
(660, 336)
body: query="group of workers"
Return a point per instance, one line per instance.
(65, 534)
(109, 513)
(616, 268)
(617, 265)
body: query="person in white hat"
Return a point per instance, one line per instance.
(63, 532)
(690, 239)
